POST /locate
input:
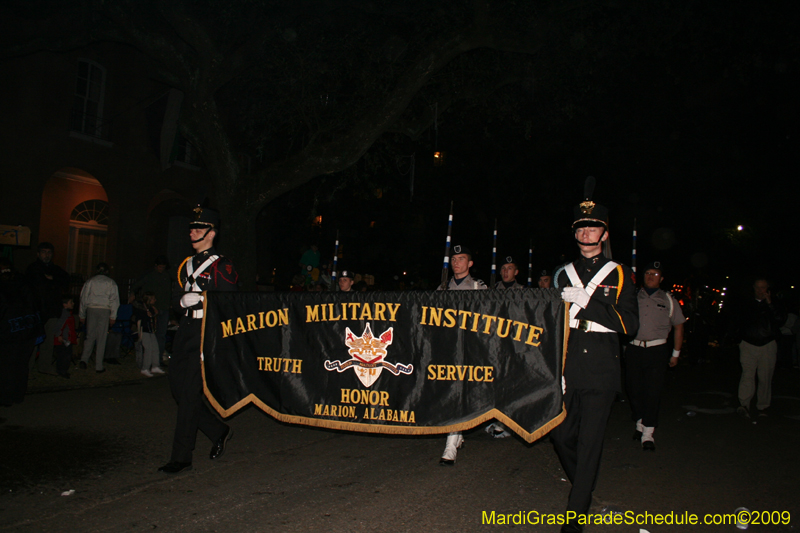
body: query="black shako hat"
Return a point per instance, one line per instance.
(589, 213)
(204, 218)
(460, 249)
(346, 274)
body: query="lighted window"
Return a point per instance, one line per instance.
(91, 211)
(87, 236)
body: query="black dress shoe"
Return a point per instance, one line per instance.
(649, 446)
(574, 527)
(219, 447)
(173, 467)
(636, 435)
(82, 365)
(100, 371)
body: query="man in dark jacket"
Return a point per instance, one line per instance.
(49, 282)
(758, 326)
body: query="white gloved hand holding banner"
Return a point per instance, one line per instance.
(190, 299)
(576, 295)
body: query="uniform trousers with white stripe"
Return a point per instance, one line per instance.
(578, 441)
(186, 383)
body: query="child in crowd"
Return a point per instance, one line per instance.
(66, 337)
(145, 315)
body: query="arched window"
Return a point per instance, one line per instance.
(91, 211)
(88, 227)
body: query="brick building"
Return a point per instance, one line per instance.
(92, 161)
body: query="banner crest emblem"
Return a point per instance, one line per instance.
(368, 356)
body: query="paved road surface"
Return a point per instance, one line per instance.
(106, 443)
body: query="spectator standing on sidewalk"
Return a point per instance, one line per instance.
(49, 282)
(98, 309)
(19, 327)
(158, 282)
(757, 327)
(146, 320)
(66, 338)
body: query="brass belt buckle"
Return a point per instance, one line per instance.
(584, 325)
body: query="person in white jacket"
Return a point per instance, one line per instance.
(99, 304)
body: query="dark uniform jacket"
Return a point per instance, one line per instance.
(592, 360)
(219, 276)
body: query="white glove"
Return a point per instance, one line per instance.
(563, 385)
(576, 295)
(190, 299)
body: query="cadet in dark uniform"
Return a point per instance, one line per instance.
(460, 263)
(508, 280)
(649, 354)
(204, 271)
(602, 303)
(508, 275)
(346, 281)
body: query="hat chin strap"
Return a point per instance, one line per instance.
(600, 240)
(204, 235)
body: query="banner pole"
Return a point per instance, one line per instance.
(633, 253)
(530, 263)
(494, 257)
(335, 286)
(446, 264)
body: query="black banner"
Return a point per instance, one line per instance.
(389, 362)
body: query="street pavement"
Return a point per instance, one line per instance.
(106, 443)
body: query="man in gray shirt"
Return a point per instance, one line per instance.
(460, 263)
(648, 356)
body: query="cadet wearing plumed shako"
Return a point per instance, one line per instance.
(460, 263)
(602, 303)
(204, 271)
(649, 354)
(508, 275)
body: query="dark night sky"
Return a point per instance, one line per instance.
(691, 143)
(686, 114)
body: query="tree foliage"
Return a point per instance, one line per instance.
(307, 87)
